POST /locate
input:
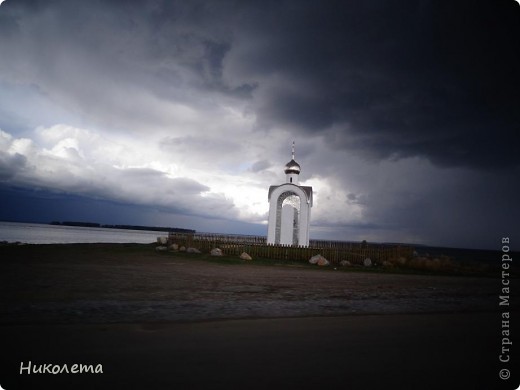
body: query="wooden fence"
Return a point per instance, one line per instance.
(256, 246)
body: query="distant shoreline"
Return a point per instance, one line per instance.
(127, 227)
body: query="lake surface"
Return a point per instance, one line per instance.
(35, 233)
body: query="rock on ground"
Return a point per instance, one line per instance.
(317, 259)
(216, 252)
(161, 248)
(345, 263)
(193, 250)
(314, 259)
(367, 262)
(245, 256)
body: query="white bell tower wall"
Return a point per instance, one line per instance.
(287, 225)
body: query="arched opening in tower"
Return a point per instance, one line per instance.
(287, 219)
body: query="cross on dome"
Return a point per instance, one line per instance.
(292, 166)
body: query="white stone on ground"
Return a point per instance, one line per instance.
(216, 252)
(245, 256)
(319, 259)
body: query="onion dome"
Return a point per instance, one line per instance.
(292, 167)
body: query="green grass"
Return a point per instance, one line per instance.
(48, 251)
(236, 261)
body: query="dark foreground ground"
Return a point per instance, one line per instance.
(164, 321)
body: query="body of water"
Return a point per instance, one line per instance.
(35, 233)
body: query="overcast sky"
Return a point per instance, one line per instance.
(406, 115)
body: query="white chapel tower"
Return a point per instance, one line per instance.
(289, 209)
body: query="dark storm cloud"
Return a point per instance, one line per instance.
(10, 164)
(118, 63)
(378, 78)
(389, 80)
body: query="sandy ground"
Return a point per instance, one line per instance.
(162, 321)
